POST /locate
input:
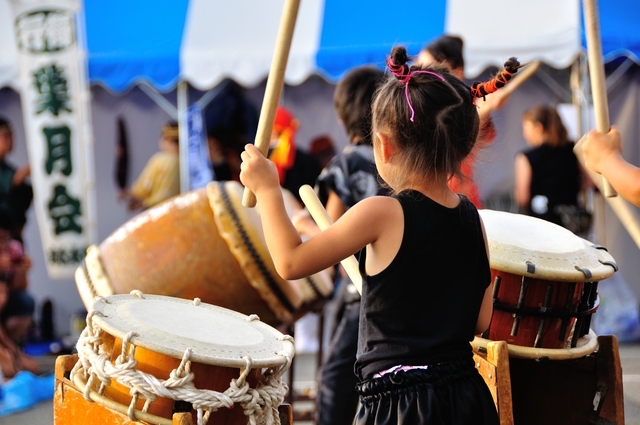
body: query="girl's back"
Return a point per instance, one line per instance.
(423, 308)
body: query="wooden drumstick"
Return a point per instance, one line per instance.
(322, 219)
(274, 86)
(596, 75)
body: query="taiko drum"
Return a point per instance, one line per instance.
(202, 244)
(162, 329)
(545, 281)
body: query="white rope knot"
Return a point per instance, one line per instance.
(252, 317)
(196, 301)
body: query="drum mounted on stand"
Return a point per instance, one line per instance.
(545, 290)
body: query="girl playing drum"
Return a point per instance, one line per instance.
(423, 254)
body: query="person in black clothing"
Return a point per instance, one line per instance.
(548, 176)
(419, 308)
(16, 193)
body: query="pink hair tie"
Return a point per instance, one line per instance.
(398, 71)
(406, 87)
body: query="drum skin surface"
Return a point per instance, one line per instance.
(529, 246)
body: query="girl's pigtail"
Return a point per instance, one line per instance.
(482, 89)
(397, 64)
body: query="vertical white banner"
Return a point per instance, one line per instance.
(55, 107)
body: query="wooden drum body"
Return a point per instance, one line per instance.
(201, 244)
(151, 356)
(545, 281)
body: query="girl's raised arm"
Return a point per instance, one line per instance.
(293, 259)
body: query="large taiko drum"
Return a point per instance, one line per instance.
(545, 281)
(149, 356)
(202, 244)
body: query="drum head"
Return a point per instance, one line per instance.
(216, 335)
(528, 246)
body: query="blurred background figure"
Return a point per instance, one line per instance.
(323, 149)
(548, 176)
(449, 50)
(224, 153)
(295, 166)
(17, 314)
(12, 358)
(231, 121)
(160, 178)
(16, 193)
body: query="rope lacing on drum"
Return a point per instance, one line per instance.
(260, 404)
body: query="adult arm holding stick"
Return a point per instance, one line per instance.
(603, 155)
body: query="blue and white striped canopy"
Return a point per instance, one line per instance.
(204, 41)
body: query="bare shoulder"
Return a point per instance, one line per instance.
(370, 213)
(378, 206)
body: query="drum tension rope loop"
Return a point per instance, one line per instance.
(531, 267)
(586, 272)
(611, 264)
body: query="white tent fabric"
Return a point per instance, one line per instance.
(544, 30)
(218, 44)
(221, 39)
(204, 41)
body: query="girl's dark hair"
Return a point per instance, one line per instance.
(554, 130)
(446, 121)
(447, 48)
(353, 98)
